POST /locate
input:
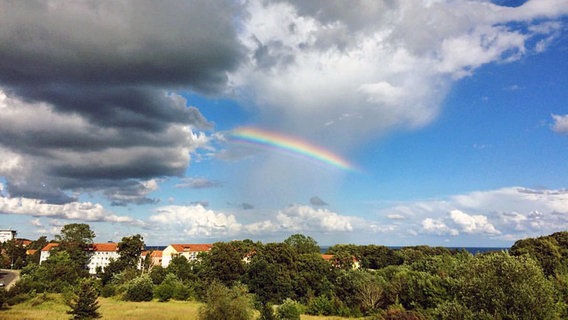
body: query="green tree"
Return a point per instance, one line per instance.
(165, 290)
(140, 289)
(84, 304)
(313, 276)
(272, 273)
(224, 263)
(158, 274)
(75, 239)
(58, 272)
(506, 287)
(37, 245)
(302, 244)
(181, 268)
(16, 254)
(129, 250)
(223, 303)
(289, 310)
(2, 298)
(76, 233)
(544, 250)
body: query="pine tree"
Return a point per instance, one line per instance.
(84, 304)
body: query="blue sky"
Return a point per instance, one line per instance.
(454, 111)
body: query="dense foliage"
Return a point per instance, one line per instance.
(282, 280)
(84, 304)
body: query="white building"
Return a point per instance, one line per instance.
(101, 254)
(189, 251)
(7, 235)
(46, 251)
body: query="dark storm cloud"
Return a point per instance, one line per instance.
(317, 201)
(246, 206)
(114, 106)
(118, 42)
(89, 85)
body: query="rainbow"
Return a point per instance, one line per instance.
(289, 144)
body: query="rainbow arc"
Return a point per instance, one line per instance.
(290, 144)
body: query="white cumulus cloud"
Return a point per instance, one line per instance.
(196, 220)
(472, 223)
(80, 211)
(560, 123)
(437, 227)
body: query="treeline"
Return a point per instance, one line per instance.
(530, 281)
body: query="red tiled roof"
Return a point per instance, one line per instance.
(108, 246)
(192, 247)
(23, 242)
(50, 246)
(30, 251)
(327, 257)
(156, 254)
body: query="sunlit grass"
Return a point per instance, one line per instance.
(52, 307)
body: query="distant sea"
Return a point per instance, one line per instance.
(472, 250)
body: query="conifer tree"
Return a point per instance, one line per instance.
(84, 305)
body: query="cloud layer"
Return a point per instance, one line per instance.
(86, 93)
(326, 67)
(91, 101)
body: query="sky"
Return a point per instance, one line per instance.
(436, 122)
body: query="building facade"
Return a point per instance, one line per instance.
(189, 251)
(101, 254)
(7, 235)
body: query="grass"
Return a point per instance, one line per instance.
(52, 307)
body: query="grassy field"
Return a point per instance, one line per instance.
(51, 307)
(54, 308)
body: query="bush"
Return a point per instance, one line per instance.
(139, 289)
(108, 291)
(267, 312)
(227, 303)
(172, 288)
(507, 287)
(321, 305)
(164, 292)
(182, 292)
(453, 311)
(2, 297)
(84, 304)
(289, 310)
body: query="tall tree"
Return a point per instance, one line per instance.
(302, 244)
(76, 233)
(272, 273)
(129, 249)
(75, 239)
(224, 263)
(84, 305)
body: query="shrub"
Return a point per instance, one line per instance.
(267, 312)
(182, 291)
(108, 291)
(320, 305)
(289, 310)
(164, 292)
(507, 287)
(226, 303)
(84, 304)
(172, 288)
(2, 297)
(139, 289)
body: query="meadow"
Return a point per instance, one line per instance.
(52, 307)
